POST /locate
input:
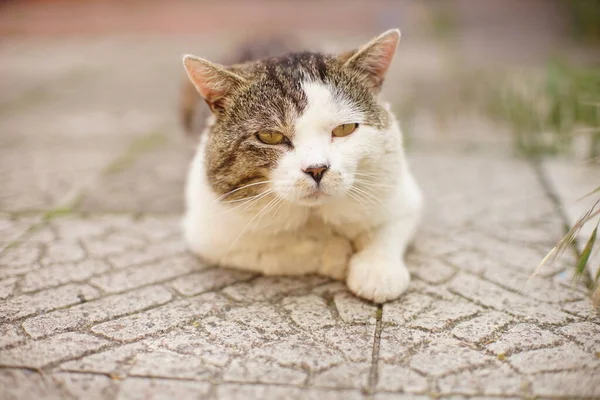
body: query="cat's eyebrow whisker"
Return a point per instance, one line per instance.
(240, 188)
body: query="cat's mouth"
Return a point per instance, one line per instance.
(314, 197)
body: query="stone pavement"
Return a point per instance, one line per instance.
(99, 298)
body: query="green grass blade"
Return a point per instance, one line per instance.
(585, 254)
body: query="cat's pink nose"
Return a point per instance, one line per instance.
(316, 171)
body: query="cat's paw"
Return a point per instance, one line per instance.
(377, 277)
(336, 256)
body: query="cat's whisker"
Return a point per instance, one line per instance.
(373, 184)
(247, 198)
(248, 225)
(248, 203)
(368, 194)
(240, 188)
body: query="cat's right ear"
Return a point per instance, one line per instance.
(214, 82)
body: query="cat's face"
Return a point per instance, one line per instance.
(298, 126)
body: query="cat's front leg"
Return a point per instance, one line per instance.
(377, 271)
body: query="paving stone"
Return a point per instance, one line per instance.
(268, 288)
(445, 355)
(87, 386)
(493, 296)
(158, 319)
(19, 255)
(568, 384)
(11, 271)
(586, 334)
(263, 371)
(75, 227)
(583, 308)
(244, 392)
(345, 376)
(191, 340)
(115, 361)
(328, 290)
(162, 389)
(151, 254)
(443, 314)
(96, 311)
(166, 364)
(432, 245)
(398, 396)
(47, 300)
(523, 337)
(309, 312)
(439, 292)
(299, 351)
(63, 252)
(355, 342)
(272, 323)
(112, 245)
(354, 310)
(537, 288)
(20, 384)
(230, 333)
(499, 380)
(156, 228)
(430, 270)
(397, 342)
(473, 261)
(208, 280)
(48, 351)
(7, 287)
(10, 335)
(60, 274)
(396, 378)
(134, 277)
(11, 228)
(482, 327)
(406, 308)
(553, 359)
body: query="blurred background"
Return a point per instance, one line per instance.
(90, 88)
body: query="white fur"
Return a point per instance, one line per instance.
(357, 226)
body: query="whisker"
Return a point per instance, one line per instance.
(240, 188)
(248, 203)
(247, 226)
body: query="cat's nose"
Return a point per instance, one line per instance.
(316, 171)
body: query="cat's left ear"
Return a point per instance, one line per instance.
(372, 61)
(214, 82)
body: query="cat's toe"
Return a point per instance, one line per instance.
(377, 278)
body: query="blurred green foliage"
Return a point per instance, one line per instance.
(585, 18)
(548, 110)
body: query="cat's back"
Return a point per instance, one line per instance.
(195, 112)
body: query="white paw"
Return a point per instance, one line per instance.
(377, 277)
(336, 256)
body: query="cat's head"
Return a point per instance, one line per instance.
(298, 126)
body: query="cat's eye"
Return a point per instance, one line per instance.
(344, 130)
(271, 137)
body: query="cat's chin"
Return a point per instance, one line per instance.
(314, 199)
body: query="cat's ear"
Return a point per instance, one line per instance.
(214, 82)
(372, 61)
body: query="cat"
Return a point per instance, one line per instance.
(301, 169)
